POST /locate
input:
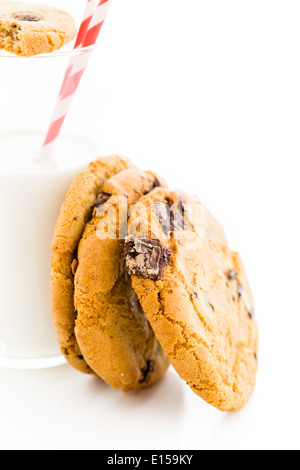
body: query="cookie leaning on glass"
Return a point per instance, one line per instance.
(98, 319)
(75, 213)
(28, 30)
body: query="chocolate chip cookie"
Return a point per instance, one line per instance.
(194, 291)
(113, 333)
(28, 30)
(75, 214)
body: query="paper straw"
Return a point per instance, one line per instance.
(93, 19)
(94, 16)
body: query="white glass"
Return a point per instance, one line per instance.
(31, 197)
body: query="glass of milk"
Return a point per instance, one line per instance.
(31, 196)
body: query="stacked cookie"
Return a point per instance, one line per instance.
(143, 276)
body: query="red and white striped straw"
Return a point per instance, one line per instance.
(94, 17)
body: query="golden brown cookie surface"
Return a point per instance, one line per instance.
(75, 213)
(28, 30)
(194, 291)
(112, 330)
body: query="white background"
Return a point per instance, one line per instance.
(206, 93)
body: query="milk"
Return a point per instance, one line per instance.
(30, 199)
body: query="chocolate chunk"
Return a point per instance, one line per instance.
(232, 275)
(146, 371)
(177, 220)
(182, 203)
(163, 214)
(65, 352)
(256, 357)
(171, 217)
(156, 184)
(102, 199)
(240, 290)
(80, 358)
(251, 314)
(146, 258)
(28, 18)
